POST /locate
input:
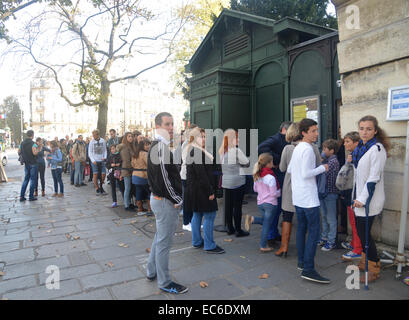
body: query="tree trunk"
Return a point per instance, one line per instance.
(103, 108)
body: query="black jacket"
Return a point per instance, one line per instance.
(200, 183)
(273, 145)
(113, 159)
(163, 175)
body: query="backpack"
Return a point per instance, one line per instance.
(322, 185)
(345, 178)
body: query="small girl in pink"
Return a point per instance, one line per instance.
(268, 189)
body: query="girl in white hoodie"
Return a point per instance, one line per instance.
(268, 189)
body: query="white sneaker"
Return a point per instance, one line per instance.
(187, 227)
(181, 213)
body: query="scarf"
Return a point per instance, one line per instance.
(361, 149)
(265, 171)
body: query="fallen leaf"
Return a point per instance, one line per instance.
(263, 276)
(109, 264)
(123, 245)
(48, 231)
(228, 240)
(135, 232)
(203, 284)
(53, 221)
(148, 250)
(76, 237)
(2, 273)
(243, 257)
(68, 236)
(134, 221)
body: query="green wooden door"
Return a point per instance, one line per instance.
(270, 110)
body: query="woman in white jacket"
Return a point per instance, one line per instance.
(369, 160)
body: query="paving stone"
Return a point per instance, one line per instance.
(68, 287)
(19, 283)
(9, 246)
(33, 267)
(114, 252)
(272, 293)
(74, 222)
(111, 277)
(220, 289)
(123, 262)
(79, 258)
(27, 229)
(62, 248)
(44, 241)
(52, 231)
(95, 225)
(14, 237)
(74, 272)
(135, 290)
(8, 226)
(17, 256)
(99, 294)
(113, 239)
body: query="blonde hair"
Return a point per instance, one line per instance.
(263, 160)
(228, 137)
(293, 134)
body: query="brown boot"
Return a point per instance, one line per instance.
(35, 193)
(374, 270)
(285, 239)
(361, 264)
(43, 193)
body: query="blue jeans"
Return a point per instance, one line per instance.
(329, 217)
(269, 213)
(57, 177)
(208, 224)
(127, 193)
(308, 221)
(79, 170)
(30, 175)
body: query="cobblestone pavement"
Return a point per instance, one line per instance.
(101, 254)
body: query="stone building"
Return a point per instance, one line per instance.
(132, 106)
(373, 55)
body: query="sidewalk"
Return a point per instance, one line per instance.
(101, 254)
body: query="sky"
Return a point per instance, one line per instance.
(16, 71)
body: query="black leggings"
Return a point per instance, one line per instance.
(288, 216)
(41, 175)
(121, 185)
(233, 204)
(360, 227)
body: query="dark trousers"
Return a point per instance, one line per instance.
(41, 174)
(72, 174)
(114, 183)
(288, 216)
(187, 214)
(233, 204)
(343, 213)
(30, 175)
(57, 177)
(360, 227)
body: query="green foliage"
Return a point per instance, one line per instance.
(92, 83)
(313, 11)
(11, 108)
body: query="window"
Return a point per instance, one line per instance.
(41, 129)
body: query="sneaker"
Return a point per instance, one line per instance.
(347, 245)
(300, 266)
(151, 278)
(60, 195)
(22, 199)
(83, 184)
(198, 247)
(55, 195)
(314, 276)
(216, 250)
(98, 192)
(187, 227)
(102, 191)
(328, 246)
(322, 242)
(149, 214)
(77, 185)
(141, 213)
(242, 233)
(350, 256)
(32, 199)
(114, 205)
(175, 288)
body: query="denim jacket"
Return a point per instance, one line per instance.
(56, 159)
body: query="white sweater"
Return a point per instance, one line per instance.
(303, 176)
(370, 169)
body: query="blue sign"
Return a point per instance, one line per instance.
(398, 103)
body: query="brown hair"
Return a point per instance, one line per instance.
(380, 135)
(353, 136)
(126, 143)
(263, 160)
(141, 147)
(227, 138)
(305, 124)
(331, 144)
(293, 133)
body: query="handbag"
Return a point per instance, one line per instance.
(117, 174)
(345, 177)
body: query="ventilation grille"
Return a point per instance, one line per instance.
(235, 45)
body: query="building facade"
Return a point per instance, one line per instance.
(132, 106)
(373, 56)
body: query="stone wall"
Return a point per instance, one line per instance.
(372, 59)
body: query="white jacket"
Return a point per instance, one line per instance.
(370, 169)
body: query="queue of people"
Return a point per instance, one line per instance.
(290, 177)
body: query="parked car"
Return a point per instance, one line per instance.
(4, 158)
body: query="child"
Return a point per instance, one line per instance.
(268, 189)
(55, 158)
(329, 202)
(114, 163)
